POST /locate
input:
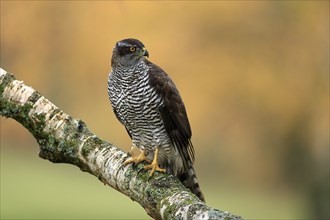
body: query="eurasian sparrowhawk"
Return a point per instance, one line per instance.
(146, 101)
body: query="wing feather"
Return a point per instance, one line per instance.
(173, 112)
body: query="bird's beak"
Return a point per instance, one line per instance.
(145, 53)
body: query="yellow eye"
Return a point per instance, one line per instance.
(132, 49)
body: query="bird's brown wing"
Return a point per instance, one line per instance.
(173, 112)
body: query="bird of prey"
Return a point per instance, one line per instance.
(146, 101)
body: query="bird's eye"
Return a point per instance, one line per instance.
(132, 49)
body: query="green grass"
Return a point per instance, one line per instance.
(32, 188)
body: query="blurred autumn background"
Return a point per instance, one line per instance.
(254, 76)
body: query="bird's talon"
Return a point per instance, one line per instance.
(154, 167)
(128, 161)
(138, 159)
(141, 169)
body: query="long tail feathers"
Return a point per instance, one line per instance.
(189, 180)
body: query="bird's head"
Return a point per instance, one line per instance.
(128, 52)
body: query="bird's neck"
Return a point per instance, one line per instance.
(130, 73)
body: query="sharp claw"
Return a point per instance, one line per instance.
(141, 169)
(128, 161)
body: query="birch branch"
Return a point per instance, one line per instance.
(64, 139)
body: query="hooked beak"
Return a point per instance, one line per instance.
(145, 53)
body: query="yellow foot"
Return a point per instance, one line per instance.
(138, 159)
(154, 165)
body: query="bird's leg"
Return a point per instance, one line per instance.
(131, 150)
(139, 158)
(154, 165)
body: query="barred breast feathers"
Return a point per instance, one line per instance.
(136, 104)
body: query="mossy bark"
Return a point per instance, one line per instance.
(63, 139)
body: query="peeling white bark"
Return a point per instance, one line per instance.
(2, 74)
(55, 122)
(18, 92)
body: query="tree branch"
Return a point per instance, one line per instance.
(64, 139)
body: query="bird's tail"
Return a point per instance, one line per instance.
(189, 180)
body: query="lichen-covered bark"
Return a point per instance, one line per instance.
(63, 139)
